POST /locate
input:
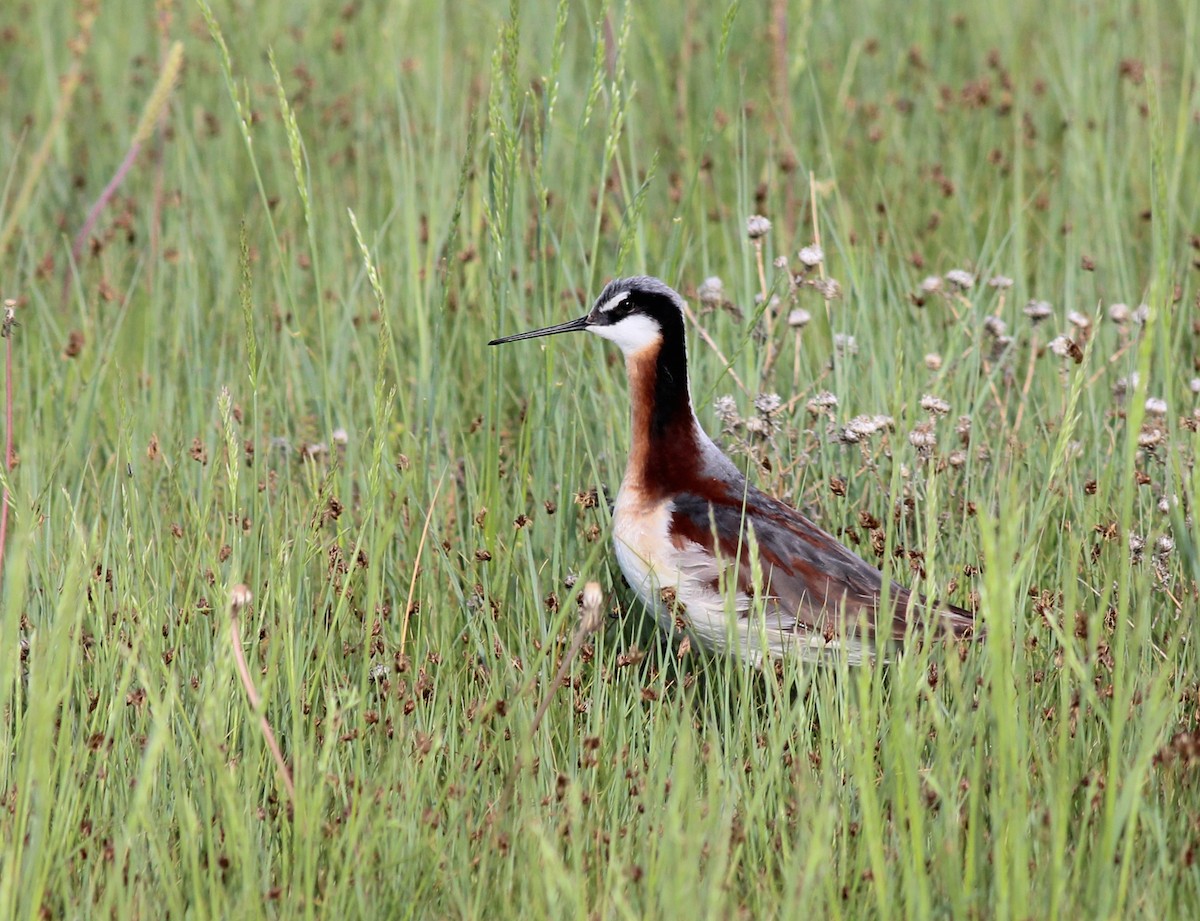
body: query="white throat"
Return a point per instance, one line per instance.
(632, 334)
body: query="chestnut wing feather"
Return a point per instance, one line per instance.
(809, 577)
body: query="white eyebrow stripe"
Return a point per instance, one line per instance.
(613, 301)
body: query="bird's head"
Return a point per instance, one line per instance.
(635, 313)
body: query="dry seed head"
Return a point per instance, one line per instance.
(799, 318)
(1156, 406)
(995, 327)
(1000, 345)
(591, 618)
(822, 402)
(961, 279)
(1060, 346)
(1079, 320)
(1141, 314)
(757, 227)
(935, 406)
(933, 361)
(768, 403)
(711, 292)
(828, 288)
(1000, 282)
(757, 425)
(930, 284)
(863, 426)
(727, 411)
(812, 256)
(1125, 384)
(1037, 311)
(845, 344)
(923, 437)
(240, 596)
(1150, 438)
(1119, 313)
(1164, 545)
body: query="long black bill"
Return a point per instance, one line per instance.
(570, 327)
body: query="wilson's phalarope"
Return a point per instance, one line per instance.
(702, 547)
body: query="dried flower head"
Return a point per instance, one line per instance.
(1080, 321)
(591, 618)
(1119, 313)
(931, 284)
(1141, 314)
(811, 256)
(923, 438)
(863, 426)
(828, 288)
(711, 292)
(757, 227)
(935, 406)
(994, 326)
(1156, 406)
(1194, 385)
(340, 437)
(1000, 282)
(961, 279)
(768, 403)
(799, 318)
(727, 411)
(1038, 311)
(933, 361)
(757, 425)
(1150, 438)
(1124, 385)
(1164, 545)
(1061, 346)
(845, 344)
(822, 402)
(240, 596)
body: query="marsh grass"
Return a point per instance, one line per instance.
(289, 390)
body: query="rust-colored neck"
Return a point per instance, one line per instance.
(665, 436)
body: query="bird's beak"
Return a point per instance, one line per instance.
(569, 327)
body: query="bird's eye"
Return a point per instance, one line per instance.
(610, 305)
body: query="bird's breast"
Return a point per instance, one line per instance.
(658, 562)
(642, 541)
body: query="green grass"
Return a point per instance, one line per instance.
(177, 420)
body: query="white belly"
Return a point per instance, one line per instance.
(652, 563)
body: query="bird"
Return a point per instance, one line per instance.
(707, 551)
